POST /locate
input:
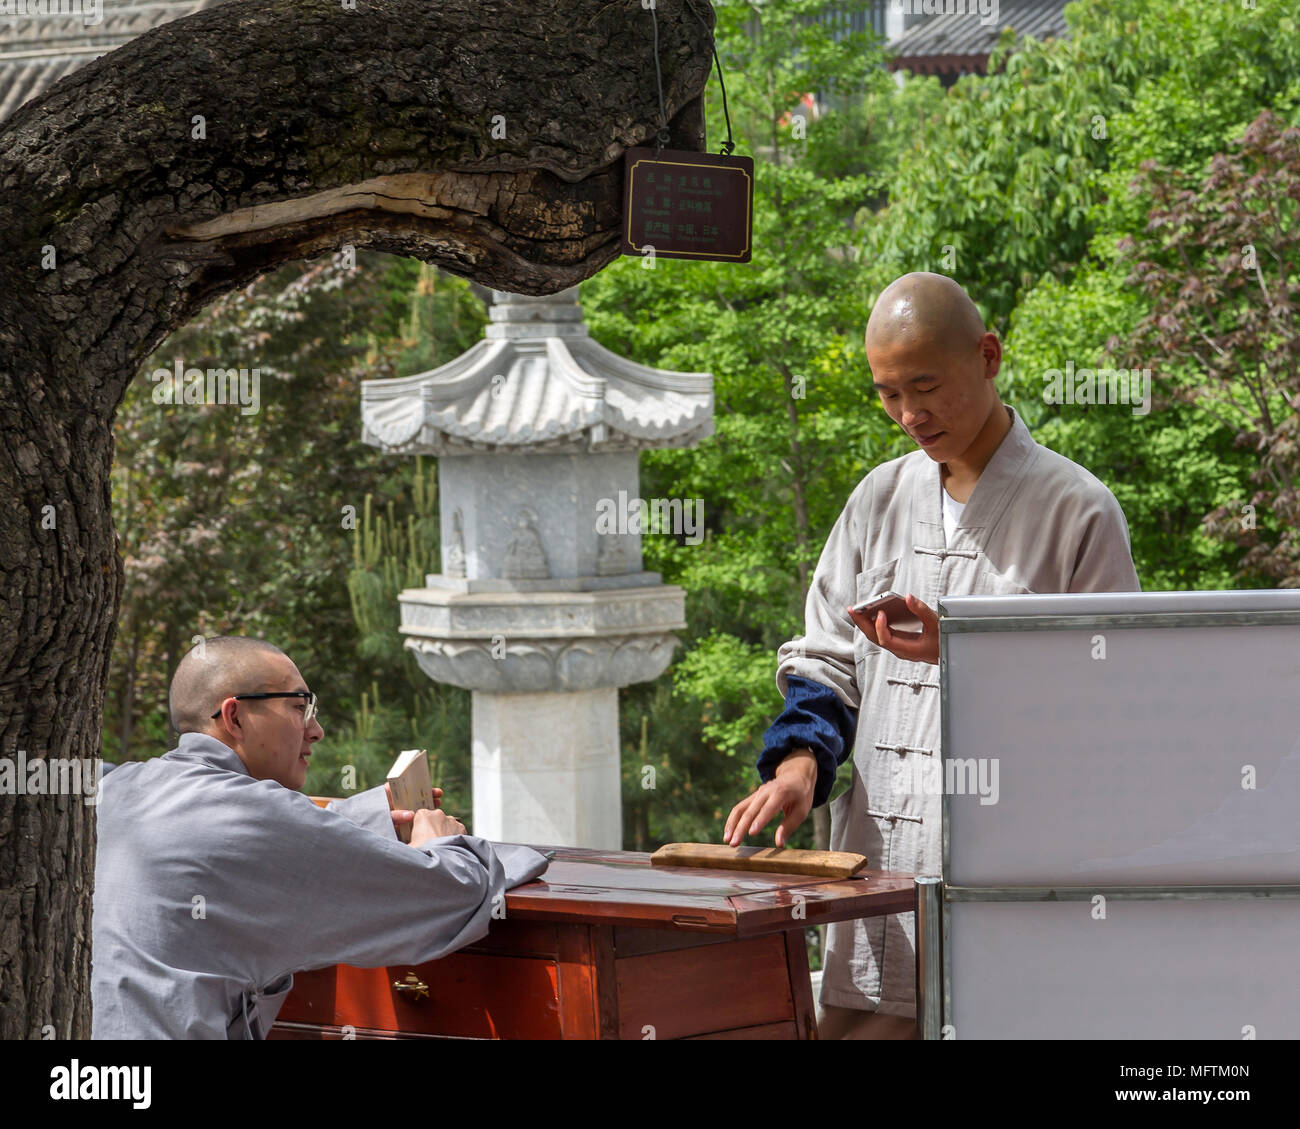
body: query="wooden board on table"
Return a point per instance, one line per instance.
(766, 860)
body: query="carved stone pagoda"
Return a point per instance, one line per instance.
(537, 429)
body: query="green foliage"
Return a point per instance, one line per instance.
(1024, 165)
(997, 189)
(444, 319)
(1194, 77)
(389, 555)
(1167, 469)
(1216, 261)
(231, 522)
(1017, 184)
(1025, 180)
(795, 428)
(734, 681)
(245, 524)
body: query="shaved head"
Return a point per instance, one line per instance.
(924, 308)
(933, 364)
(217, 669)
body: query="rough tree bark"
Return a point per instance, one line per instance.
(485, 137)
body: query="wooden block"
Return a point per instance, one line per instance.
(772, 860)
(408, 780)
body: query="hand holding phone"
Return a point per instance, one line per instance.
(897, 614)
(920, 644)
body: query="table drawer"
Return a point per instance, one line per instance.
(471, 995)
(704, 989)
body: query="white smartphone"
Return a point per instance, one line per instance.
(897, 614)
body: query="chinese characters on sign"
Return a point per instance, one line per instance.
(688, 205)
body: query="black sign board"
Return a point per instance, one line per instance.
(688, 205)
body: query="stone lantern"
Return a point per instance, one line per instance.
(542, 609)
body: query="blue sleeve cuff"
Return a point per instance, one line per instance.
(814, 718)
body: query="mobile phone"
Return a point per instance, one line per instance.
(897, 613)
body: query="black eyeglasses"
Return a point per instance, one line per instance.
(308, 714)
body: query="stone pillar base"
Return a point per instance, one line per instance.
(546, 768)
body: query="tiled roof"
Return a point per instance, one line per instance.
(36, 51)
(959, 41)
(564, 392)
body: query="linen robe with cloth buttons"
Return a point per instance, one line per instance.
(1035, 523)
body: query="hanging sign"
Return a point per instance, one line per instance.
(688, 205)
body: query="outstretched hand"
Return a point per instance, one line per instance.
(789, 793)
(920, 646)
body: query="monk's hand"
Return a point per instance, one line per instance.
(920, 646)
(433, 823)
(402, 815)
(789, 791)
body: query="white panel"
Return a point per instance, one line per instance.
(1149, 970)
(1124, 603)
(1128, 769)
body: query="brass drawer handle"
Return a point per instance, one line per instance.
(411, 985)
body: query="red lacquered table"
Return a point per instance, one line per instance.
(605, 946)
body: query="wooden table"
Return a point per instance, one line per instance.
(605, 946)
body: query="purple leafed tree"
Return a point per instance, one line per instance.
(1219, 262)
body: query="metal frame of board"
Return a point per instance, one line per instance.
(935, 897)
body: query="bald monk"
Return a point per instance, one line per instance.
(980, 508)
(216, 879)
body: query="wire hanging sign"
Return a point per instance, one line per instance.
(682, 204)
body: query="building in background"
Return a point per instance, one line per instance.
(957, 42)
(37, 51)
(945, 38)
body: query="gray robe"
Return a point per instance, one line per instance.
(212, 889)
(1036, 522)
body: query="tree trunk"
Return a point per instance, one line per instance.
(484, 137)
